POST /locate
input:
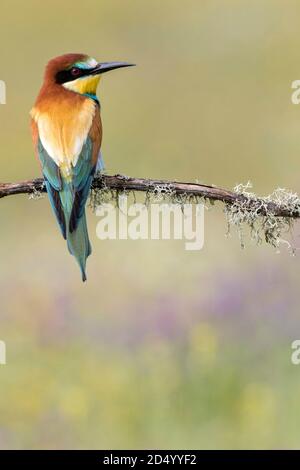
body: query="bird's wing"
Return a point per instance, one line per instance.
(52, 177)
(84, 170)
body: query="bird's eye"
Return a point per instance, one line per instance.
(75, 72)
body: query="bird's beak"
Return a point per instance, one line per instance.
(107, 66)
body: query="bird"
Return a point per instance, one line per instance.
(66, 131)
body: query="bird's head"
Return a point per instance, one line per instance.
(79, 72)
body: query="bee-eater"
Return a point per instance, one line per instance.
(67, 133)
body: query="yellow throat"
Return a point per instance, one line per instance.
(84, 85)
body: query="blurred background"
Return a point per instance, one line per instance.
(161, 348)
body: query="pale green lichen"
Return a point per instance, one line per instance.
(256, 213)
(156, 194)
(247, 213)
(36, 194)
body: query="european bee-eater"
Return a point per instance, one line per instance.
(67, 134)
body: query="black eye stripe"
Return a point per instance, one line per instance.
(68, 75)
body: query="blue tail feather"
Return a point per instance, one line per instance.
(79, 244)
(78, 239)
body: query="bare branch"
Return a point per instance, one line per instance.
(123, 183)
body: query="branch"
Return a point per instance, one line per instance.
(263, 206)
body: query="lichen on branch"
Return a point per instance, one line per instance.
(257, 213)
(269, 218)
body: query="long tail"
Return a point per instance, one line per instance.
(79, 244)
(78, 240)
